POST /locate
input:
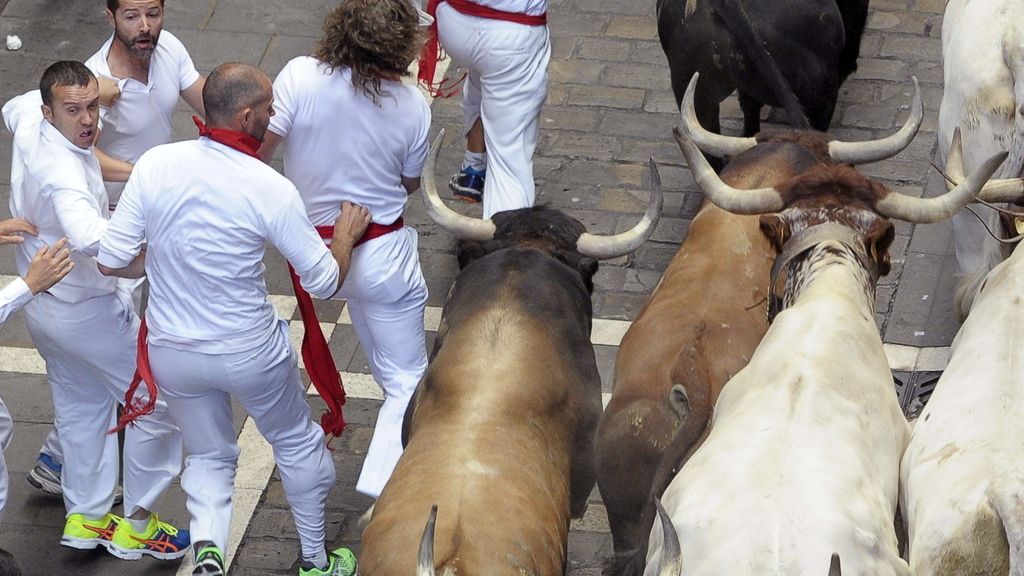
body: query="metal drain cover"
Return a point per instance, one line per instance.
(914, 389)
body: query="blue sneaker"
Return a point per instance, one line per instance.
(468, 184)
(45, 476)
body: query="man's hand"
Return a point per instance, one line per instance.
(109, 91)
(48, 266)
(350, 225)
(9, 230)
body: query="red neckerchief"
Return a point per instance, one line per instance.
(240, 141)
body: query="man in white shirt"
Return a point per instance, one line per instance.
(84, 327)
(206, 209)
(352, 87)
(504, 46)
(144, 69)
(48, 266)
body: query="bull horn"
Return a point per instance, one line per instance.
(714, 144)
(835, 568)
(759, 201)
(462, 227)
(425, 564)
(604, 247)
(1003, 190)
(926, 210)
(875, 150)
(671, 563)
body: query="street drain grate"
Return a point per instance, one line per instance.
(914, 389)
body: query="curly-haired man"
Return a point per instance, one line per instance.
(352, 131)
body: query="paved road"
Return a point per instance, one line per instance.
(609, 109)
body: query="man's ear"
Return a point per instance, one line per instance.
(47, 113)
(877, 241)
(776, 229)
(110, 17)
(245, 118)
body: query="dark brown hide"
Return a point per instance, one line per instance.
(500, 432)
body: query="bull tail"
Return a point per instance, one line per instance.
(737, 22)
(695, 412)
(425, 563)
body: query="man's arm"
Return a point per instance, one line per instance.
(135, 269)
(11, 230)
(348, 229)
(193, 95)
(271, 140)
(113, 170)
(410, 184)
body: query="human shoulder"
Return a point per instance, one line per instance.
(170, 44)
(97, 63)
(55, 167)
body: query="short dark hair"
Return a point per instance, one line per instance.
(8, 565)
(230, 88)
(64, 73)
(113, 5)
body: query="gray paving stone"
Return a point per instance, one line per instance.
(625, 98)
(604, 49)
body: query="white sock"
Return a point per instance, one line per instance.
(139, 525)
(320, 560)
(475, 160)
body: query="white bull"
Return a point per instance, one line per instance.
(802, 460)
(963, 473)
(983, 66)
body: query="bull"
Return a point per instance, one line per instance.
(501, 428)
(983, 96)
(802, 460)
(789, 53)
(699, 328)
(962, 476)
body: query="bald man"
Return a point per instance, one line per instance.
(205, 209)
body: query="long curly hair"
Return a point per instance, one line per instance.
(376, 39)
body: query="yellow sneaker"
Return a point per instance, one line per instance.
(159, 540)
(85, 534)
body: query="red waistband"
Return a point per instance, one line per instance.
(374, 230)
(480, 11)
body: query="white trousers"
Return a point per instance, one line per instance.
(386, 298)
(89, 349)
(506, 86)
(6, 433)
(198, 388)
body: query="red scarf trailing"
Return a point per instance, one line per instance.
(431, 53)
(240, 141)
(316, 354)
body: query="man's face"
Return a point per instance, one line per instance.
(137, 25)
(262, 112)
(75, 112)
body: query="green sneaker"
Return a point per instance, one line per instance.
(159, 540)
(342, 563)
(209, 559)
(85, 534)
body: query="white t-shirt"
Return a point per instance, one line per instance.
(57, 186)
(206, 211)
(340, 145)
(531, 7)
(141, 117)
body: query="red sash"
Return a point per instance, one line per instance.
(431, 54)
(316, 354)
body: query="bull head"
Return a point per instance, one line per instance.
(599, 247)
(841, 152)
(893, 205)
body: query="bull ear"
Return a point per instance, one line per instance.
(679, 401)
(775, 227)
(877, 241)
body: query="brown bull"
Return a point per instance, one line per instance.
(501, 429)
(699, 328)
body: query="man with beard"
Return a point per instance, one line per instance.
(84, 327)
(206, 209)
(150, 68)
